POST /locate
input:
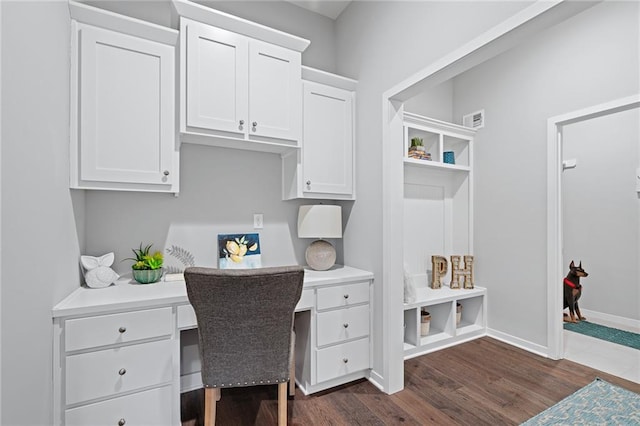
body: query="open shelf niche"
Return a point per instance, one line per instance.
(438, 220)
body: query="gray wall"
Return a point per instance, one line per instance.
(590, 59)
(40, 246)
(380, 44)
(601, 211)
(44, 223)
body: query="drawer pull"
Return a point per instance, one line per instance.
(345, 360)
(346, 296)
(122, 371)
(121, 422)
(345, 325)
(122, 329)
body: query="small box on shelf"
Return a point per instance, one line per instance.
(425, 322)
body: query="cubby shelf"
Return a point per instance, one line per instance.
(438, 220)
(432, 164)
(438, 137)
(444, 331)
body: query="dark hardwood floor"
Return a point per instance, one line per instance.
(482, 382)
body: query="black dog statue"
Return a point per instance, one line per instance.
(573, 291)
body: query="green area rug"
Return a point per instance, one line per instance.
(621, 337)
(598, 403)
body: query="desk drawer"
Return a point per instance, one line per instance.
(152, 407)
(342, 324)
(343, 295)
(340, 360)
(111, 371)
(90, 332)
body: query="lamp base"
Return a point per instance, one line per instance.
(320, 255)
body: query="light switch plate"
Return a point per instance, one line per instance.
(258, 221)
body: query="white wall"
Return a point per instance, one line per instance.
(601, 211)
(589, 59)
(39, 239)
(0, 209)
(381, 44)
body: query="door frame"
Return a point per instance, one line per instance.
(555, 271)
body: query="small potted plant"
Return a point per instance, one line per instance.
(147, 267)
(417, 144)
(417, 150)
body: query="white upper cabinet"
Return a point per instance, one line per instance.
(123, 105)
(275, 87)
(327, 154)
(217, 78)
(325, 167)
(239, 92)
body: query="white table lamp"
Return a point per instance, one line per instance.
(320, 221)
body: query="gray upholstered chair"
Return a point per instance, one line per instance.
(245, 322)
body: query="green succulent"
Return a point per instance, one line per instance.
(145, 260)
(416, 141)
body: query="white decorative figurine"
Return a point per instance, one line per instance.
(97, 271)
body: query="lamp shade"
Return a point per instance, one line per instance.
(320, 221)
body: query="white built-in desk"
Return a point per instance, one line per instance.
(118, 354)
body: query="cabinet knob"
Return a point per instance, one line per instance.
(345, 360)
(346, 296)
(308, 183)
(122, 329)
(122, 371)
(345, 325)
(254, 124)
(121, 422)
(241, 122)
(166, 173)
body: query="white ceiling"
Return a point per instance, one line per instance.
(329, 8)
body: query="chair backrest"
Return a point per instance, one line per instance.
(245, 320)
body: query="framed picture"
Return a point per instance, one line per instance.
(239, 251)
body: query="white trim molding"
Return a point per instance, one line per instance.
(555, 269)
(504, 36)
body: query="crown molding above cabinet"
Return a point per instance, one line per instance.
(215, 18)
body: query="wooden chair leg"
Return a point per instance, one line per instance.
(211, 396)
(282, 404)
(292, 367)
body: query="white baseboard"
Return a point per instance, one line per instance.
(519, 343)
(612, 320)
(377, 380)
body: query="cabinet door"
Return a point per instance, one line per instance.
(275, 85)
(216, 79)
(327, 148)
(127, 119)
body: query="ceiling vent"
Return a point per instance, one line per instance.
(475, 120)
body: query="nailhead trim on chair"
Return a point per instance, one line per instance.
(253, 382)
